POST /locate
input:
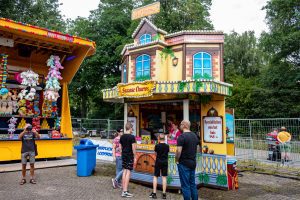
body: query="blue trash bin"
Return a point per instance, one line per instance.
(86, 157)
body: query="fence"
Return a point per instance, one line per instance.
(252, 142)
(105, 128)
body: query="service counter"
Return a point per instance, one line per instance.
(212, 170)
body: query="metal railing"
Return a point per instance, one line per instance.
(253, 145)
(104, 128)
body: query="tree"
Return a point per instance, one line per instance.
(283, 19)
(177, 15)
(44, 13)
(242, 56)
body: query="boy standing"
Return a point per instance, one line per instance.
(128, 146)
(28, 150)
(161, 166)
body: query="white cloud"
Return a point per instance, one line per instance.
(238, 15)
(74, 8)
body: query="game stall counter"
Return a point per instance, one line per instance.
(168, 77)
(36, 66)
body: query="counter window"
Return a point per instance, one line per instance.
(143, 67)
(202, 65)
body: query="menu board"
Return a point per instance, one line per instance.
(213, 129)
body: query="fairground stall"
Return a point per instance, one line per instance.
(36, 66)
(168, 77)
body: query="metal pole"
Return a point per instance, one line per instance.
(108, 128)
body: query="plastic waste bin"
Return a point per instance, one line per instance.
(86, 157)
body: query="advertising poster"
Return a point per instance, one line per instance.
(229, 125)
(213, 129)
(132, 120)
(104, 151)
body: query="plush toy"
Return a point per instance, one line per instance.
(57, 123)
(12, 126)
(4, 107)
(3, 72)
(30, 78)
(52, 84)
(10, 108)
(22, 111)
(29, 108)
(14, 96)
(30, 95)
(22, 94)
(36, 105)
(36, 123)
(54, 109)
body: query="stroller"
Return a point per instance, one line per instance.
(274, 153)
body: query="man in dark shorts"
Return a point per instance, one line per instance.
(161, 166)
(128, 146)
(28, 150)
(187, 145)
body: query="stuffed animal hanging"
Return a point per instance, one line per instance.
(12, 126)
(3, 74)
(53, 77)
(30, 78)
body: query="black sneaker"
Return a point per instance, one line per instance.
(153, 195)
(164, 196)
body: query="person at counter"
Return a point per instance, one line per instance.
(28, 150)
(185, 157)
(128, 146)
(175, 132)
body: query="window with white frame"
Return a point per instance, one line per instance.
(144, 39)
(143, 63)
(202, 65)
(124, 74)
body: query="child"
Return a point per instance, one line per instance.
(161, 165)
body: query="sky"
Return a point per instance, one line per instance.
(226, 15)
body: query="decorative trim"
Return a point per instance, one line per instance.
(192, 32)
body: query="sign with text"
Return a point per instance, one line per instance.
(135, 90)
(213, 129)
(132, 120)
(145, 11)
(104, 151)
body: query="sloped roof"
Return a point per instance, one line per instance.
(145, 20)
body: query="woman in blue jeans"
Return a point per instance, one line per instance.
(116, 182)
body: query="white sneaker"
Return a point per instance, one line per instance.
(126, 195)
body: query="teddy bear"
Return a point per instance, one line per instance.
(29, 106)
(54, 109)
(9, 110)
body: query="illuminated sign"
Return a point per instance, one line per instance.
(135, 90)
(145, 11)
(213, 129)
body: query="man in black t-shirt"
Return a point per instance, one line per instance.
(161, 165)
(187, 144)
(28, 150)
(128, 146)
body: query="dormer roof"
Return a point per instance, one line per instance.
(143, 21)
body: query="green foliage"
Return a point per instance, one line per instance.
(203, 178)
(182, 86)
(167, 51)
(44, 13)
(200, 76)
(205, 99)
(156, 37)
(142, 78)
(169, 180)
(282, 41)
(199, 84)
(221, 180)
(177, 15)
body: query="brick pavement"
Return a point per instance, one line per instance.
(62, 184)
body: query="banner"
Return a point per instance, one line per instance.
(229, 125)
(104, 151)
(136, 90)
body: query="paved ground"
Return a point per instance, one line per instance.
(62, 184)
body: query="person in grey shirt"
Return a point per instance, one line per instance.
(28, 150)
